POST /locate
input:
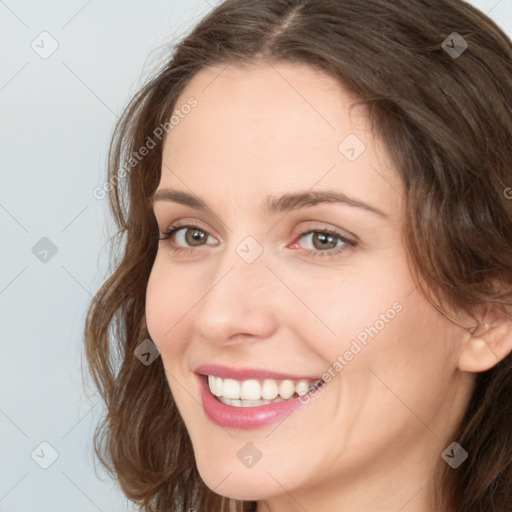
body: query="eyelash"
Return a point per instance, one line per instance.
(315, 253)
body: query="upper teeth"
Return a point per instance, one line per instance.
(256, 390)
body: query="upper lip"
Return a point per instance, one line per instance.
(237, 373)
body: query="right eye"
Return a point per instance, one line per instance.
(185, 237)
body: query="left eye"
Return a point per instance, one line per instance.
(324, 242)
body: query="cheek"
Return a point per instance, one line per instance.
(166, 304)
(355, 305)
(406, 363)
(382, 324)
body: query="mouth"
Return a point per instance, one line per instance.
(250, 399)
(257, 392)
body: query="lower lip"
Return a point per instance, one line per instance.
(245, 417)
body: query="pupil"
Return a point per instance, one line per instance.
(197, 236)
(325, 237)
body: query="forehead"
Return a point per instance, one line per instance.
(271, 125)
(266, 104)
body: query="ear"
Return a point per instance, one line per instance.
(489, 342)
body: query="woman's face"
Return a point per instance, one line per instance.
(268, 289)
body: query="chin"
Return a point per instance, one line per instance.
(238, 483)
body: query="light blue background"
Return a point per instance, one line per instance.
(56, 118)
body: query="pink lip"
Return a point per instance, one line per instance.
(226, 372)
(246, 418)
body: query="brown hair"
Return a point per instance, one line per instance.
(447, 124)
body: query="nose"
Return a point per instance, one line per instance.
(239, 305)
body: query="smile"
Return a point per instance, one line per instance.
(231, 399)
(254, 393)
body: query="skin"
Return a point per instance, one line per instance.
(372, 437)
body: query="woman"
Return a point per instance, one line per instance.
(312, 310)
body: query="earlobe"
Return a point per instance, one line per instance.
(488, 345)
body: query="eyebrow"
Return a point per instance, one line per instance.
(275, 204)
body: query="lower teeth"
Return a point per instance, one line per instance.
(250, 403)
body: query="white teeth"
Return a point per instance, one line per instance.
(250, 393)
(216, 385)
(231, 389)
(302, 387)
(219, 386)
(212, 382)
(286, 389)
(251, 390)
(269, 390)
